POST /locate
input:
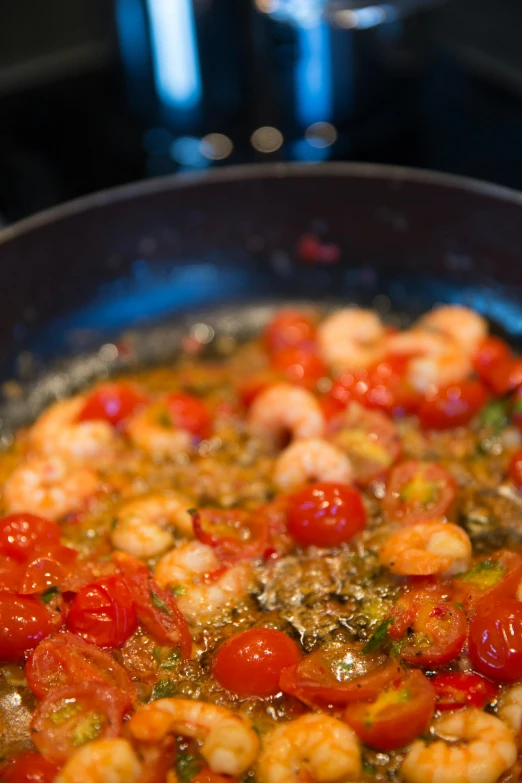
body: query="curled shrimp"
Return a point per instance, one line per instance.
(152, 431)
(436, 358)
(475, 748)
(50, 487)
(320, 745)
(203, 585)
(58, 432)
(510, 708)
(102, 761)
(284, 409)
(427, 548)
(229, 744)
(311, 459)
(141, 525)
(351, 338)
(464, 325)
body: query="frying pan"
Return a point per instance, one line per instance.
(116, 278)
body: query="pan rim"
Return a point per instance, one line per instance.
(256, 172)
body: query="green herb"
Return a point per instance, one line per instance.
(192, 511)
(163, 689)
(395, 649)
(346, 667)
(494, 415)
(166, 658)
(48, 595)
(88, 729)
(379, 638)
(159, 603)
(163, 419)
(178, 590)
(369, 769)
(187, 766)
(459, 605)
(485, 574)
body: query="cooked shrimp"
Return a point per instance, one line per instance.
(102, 761)
(466, 326)
(228, 742)
(205, 587)
(311, 459)
(142, 525)
(321, 746)
(284, 409)
(427, 548)
(152, 431)
(475, 748)
(351, 338)
(50, 487)
(437, 359)
(58, 432)
(510, 708)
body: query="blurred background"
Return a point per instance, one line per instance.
(95, 93)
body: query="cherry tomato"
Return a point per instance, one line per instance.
(325, 514)
(189, 413)
(250, 387)
(463, 689)
(53, 569)
(506, 376)
(71, 716)
(432, 631)
(492, 579)
(289, 329)
(370, 439)
(452, 406)
(490, 353)
(206, 775)
(235, 534)
(516, 408)
(515, 469)
(30, 767)
(113, 402)
(11, 574)
(273, 517)
(24, 621)
(418, 491)
(103, 613)
(299, 366)
(495, 640)
(157, 609)
(65, 659)
(22, 534)
(397, 716)
(250, 662)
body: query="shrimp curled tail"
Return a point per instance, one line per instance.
(510, 708)
(102, 761)
(427, 548)
(318, 744)
(485, 750)
(283, 409)
(142, 525)
(311, 459)
(229, 743)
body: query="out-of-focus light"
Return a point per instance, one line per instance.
(364, 18)
(187, 151)
(131, 26)
(266, 139)
(303, 151)
(267, 6)
(313, 78)
(216, 146)
(176, 63)
(321, 134)
(156, 141)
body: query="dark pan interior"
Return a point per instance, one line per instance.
(116, 279)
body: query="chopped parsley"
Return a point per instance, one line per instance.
(379, 638)
(187, 766)
(48, 595)
(494, 415)
(164, 689)
(159, 603)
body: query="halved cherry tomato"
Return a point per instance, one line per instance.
(65, 659)
(289, 329)
(463, 689)
(250, 387)
(113, 402)
(506, 376)
(370, 439)
(452, 406)
(103, 613)
(53, 569)
(300, 366)
(273, 517)
(157, 609)
(418, 491)
(24, 621)
(71, 716)
(432, 631)
(492, 579)
(235, 534)
(515, 469)
(495, 640)
(397, 716)
(490, 353)
(250, 662)
(325, 514)
(11, 574)
(187, 412)
(22, 534)
(29, 767)
(206, 775)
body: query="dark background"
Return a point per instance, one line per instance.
(79, 110)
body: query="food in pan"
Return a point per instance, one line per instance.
(293, 559)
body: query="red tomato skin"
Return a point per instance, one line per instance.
(325, 514)
(250, 662)
(24, 621)
(381, 387)
(189, 413)
(21, 534)
(490, 353)
(29, 767)
(229, 548)
(440, 621)
(505, 376)
(113, 403)
(401, 475)
(206, 775)
(463, 689)
(452, 406)
(289, 328)
(470, 595)
(103, 613)
(515, 469)
(495, 640)
(52, 569)
(299, 366)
